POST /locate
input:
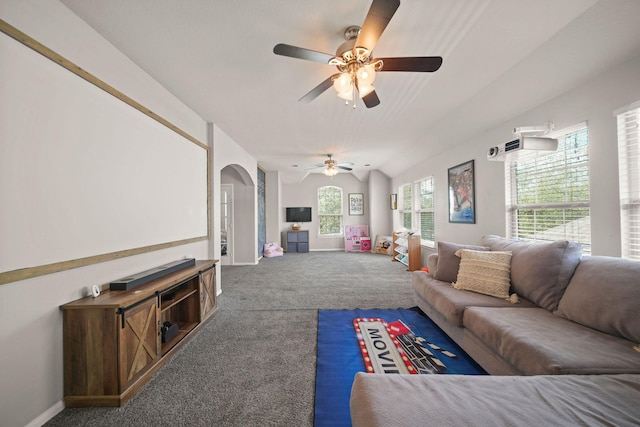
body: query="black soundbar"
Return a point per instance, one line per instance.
(143, 277)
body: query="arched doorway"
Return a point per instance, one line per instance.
(237, 216)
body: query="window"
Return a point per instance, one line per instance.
(426, 211)
(548, 193)
(405, 206)
(330, 210)
(418, 213)
(629, 170)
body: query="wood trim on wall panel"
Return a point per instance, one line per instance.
(41, 270)
(31, 272)
(65, 63)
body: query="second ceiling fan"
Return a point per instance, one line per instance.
(356, 65)
(331, 166)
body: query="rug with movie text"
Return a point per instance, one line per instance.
(385, 341)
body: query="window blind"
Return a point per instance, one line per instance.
(426, 211)
(548, 193)
(405, 204)
(330, 210)
(629, 175)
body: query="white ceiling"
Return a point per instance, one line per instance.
(501, 58)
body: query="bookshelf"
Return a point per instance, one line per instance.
(406, 250)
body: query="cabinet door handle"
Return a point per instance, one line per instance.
(122, 310)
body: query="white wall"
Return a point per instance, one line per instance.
(31, 374)
(305, 193)
(593, 102)
(273, 213)
(380, 219)
(243, 209)
(226, 152)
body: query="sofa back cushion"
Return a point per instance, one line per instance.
(540, 272)
(449, 262)
(604, 294)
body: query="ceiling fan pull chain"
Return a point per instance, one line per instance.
(354, 92)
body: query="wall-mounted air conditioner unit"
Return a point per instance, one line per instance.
(499, 152)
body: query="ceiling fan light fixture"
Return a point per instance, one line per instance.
(366, 74)
(358, 76)
(346, 95)
(364, 89)
(342, 83)
(330, 171)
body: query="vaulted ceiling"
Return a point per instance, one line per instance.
(501, 58)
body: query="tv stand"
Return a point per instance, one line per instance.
(114, 343)
(296, 241)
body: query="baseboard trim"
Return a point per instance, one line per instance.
(42, 419)
(327, 250)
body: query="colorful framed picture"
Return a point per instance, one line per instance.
(462, 207)
(393, 201)
(356, 204)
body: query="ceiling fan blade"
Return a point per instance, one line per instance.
(378, 17)
(302, 53)
(316, 91)
(344, 168)
(412, 63)
(371, 99)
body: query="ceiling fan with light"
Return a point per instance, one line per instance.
(356, 65)
(332, 167)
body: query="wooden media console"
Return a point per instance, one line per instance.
(114, 343)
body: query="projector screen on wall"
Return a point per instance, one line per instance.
(83, 174)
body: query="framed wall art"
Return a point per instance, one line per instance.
(356, 204)
(462, 207)
(393, 201)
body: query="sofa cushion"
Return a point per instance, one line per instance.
(604, 294)
(482, 400)
(536, 342)
(485, 272)
(540, 272)
(451, 302)
(448, 262)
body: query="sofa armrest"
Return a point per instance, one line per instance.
(432, 264)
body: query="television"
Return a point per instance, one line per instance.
(298, 214)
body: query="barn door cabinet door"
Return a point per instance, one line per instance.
(207, 292)
(139, 342)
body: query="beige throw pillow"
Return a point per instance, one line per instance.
(448, 263)
(485, 272)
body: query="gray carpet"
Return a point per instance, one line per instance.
(254, 362)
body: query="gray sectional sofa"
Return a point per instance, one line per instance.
(575, 316)
(577, 323)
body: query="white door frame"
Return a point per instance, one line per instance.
(228, 220)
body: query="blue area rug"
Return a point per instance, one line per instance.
(340, 357)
